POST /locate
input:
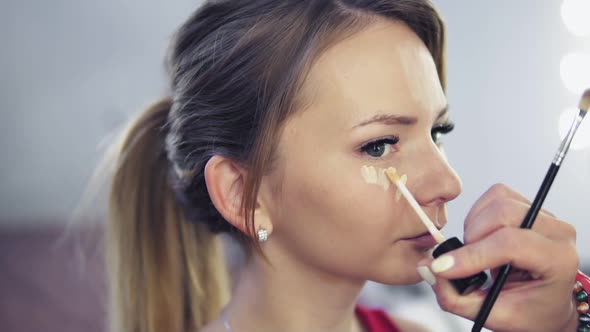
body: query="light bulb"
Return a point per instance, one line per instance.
(575, 16)
(575, 71)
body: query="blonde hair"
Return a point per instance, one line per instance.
(235, 68)
(162, 266)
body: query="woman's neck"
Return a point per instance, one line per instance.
(291, 296)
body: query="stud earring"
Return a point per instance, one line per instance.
(262, 234)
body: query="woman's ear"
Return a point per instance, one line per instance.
(225, 181)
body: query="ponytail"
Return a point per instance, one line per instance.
(166, 274)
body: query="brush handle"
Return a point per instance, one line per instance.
(528, 221)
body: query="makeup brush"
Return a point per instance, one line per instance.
(529, 219)
(462, 285)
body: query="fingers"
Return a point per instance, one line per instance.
(449, 300)
(497, 191)
(544, 261)
(468, 306)
(524, 249)
(554, 263)
(501, 207)
(507, 212)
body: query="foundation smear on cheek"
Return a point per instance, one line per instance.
(376, 175)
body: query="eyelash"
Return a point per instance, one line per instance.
(392, 140)
(435, 133)
(441, 129)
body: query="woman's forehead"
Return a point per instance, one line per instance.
(383, 68)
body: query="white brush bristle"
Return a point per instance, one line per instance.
(585, 101)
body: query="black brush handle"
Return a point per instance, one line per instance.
(528, 221)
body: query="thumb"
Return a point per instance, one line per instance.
(519, 247)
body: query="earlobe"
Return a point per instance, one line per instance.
(263, 223)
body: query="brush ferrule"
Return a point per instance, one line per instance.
(567, 141)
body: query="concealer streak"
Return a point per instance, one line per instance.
(369, 174)
(376, 175)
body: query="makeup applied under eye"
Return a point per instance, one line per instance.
(377, 176)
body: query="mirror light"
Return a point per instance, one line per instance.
(575, 71)
(575, 15)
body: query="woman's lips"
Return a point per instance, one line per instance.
(424, 240)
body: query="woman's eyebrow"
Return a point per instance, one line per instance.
(443, 112)
(393, 119)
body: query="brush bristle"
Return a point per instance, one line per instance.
(392, 174)
(585, 101)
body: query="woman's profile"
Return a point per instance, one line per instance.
(275, 108)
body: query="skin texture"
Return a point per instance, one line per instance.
(321, 157)
(330, 231)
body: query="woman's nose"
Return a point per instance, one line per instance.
(436, 182)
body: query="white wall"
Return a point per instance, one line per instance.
(506, 96)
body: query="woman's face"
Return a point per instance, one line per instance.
(374, 99)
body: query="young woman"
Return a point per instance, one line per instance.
(275, 108)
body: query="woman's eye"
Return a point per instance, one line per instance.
(379, 148)
(439, 130)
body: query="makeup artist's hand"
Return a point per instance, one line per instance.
(538, 294)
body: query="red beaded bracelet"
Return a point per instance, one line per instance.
(580, 292)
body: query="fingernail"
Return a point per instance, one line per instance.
(426, 275)
(442, 263)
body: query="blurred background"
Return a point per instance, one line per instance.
(74, 71)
